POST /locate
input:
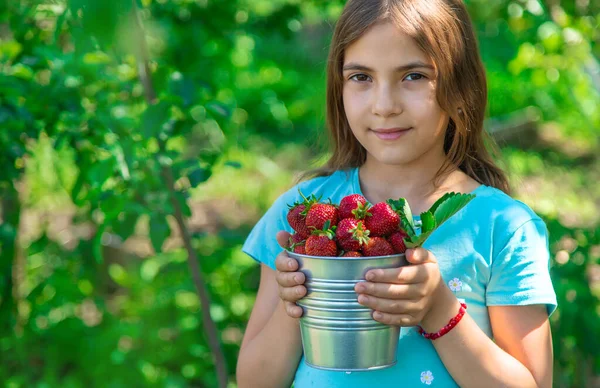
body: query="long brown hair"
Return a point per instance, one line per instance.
(443, 30)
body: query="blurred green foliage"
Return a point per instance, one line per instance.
(94, 284)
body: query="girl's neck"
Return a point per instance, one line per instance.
(416, 184)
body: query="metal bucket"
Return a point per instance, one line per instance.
(338, 333)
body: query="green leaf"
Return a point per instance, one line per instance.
(198, 176)
(159, 231)
(112, 205)
(185, 208)
(418, 240)
(96, 58)
(10, 49)
(154, 118)
(402, 207)
(450, 205)
(440, 211)
(218, 109)
(441, 200)
(233, 164)
(124, 226)
(427, 222)
(97, 244)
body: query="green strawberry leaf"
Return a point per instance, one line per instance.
(402, 207)
(428, 222)
(450, 206)
(441, 200)
(418, 240)
(444, 208)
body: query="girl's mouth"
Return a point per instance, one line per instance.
(390, 134)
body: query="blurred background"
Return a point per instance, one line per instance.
(141, 140)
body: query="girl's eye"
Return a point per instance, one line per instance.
(360, 77)
(417, 75)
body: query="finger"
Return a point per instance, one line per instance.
(283, 238)
(292, 294)
(285, 263)
(293, 310)
(403, 275)
(419, 256)
(390, 290)
(391, 306)
(289, 279)
(403, 320)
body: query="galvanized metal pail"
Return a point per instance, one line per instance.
(338, 333)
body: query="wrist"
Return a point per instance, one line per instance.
(442, 310)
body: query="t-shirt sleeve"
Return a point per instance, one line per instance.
(520, 271)
(261, 243)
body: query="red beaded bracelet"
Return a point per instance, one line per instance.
(453, 322)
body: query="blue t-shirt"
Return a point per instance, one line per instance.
(492, 252)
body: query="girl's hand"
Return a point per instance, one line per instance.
(290, 282)
(405, 296)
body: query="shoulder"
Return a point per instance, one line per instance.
(500, 211)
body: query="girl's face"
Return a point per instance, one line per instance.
(390, 98)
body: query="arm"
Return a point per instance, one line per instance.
(520, 357)
(272, 342)
(416, 295)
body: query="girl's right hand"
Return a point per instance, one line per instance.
(291, 282)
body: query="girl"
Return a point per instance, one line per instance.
(406, 95)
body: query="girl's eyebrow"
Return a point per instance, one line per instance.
(401, 68)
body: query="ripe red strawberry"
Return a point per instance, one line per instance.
(352, 254)
(397, 241)
(320, 245)
(353, 206)
(296, 243)
(377, 246)
(383, 220)
(296, 216)
(297, 220)
(321, 242)
(319, 213)
(296, 238)
(300, 249)
(351, 234)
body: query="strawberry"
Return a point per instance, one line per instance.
(353, 206)
(320, 245)
(352, 254)
(377, 246)
(297, 220)
(300, 249)
(321, 242)
(296, 216)
(296, 243)
(319, 213)
(383, 220)
(397, 241)
(351, 234)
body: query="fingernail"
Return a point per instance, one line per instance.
(377, 315)
(369, 276)
(360, 287)
(299, 291)
(291, 264)
(296, 279)
(363, 299)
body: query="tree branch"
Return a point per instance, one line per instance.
(193, 261)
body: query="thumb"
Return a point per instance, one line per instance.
(419, 256)
(283, 238)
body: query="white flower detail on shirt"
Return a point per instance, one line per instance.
(427, 377)
(455, 284)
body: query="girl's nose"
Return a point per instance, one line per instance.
(385, 102)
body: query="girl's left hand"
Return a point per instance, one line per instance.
(404, 296)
